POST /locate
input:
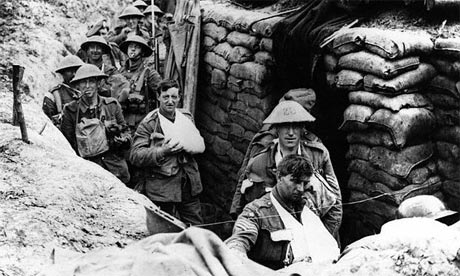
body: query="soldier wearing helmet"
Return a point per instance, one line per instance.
(103, 136)
(141, 5)
(131, 19)
(64, 92)
(143, 78)
(288, 136)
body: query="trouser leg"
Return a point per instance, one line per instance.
(190, 208)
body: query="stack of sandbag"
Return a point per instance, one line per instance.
(235, 88)
(444, 92)
(389, 119)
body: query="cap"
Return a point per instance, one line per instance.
(87, 71)
(288, 112)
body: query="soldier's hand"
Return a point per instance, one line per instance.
(126, 30)
(171, 147)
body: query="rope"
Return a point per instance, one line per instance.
(343, 204)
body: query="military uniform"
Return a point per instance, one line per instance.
(109, 111)
(137, 105)
(49, 102)
(263, 168)
(172, 182)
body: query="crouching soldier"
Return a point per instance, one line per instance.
(63, 93)
(143, 78)
(94, 125)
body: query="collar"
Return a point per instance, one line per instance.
(84, 107)
(132, 66)
(279, 155)
(295, 210)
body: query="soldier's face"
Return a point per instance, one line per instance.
(94, 51)
(68, 74)
(291, 189)
(134, 51)
(169, 100)
(88, 87)
(289, 135)
(132, 22)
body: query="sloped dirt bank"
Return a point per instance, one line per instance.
(53, 204)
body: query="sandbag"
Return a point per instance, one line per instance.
(449, 134)
(373, 206)
(404, 125)
(447, 46)
(451, 188)
(429, 187)
(448, 152)
(349, 80)
(208, 43)
(216, 61)
(445, 85)
(391, 44)
(218, 78)
(264, 58)
(405, 83)
(365, 169)
(392, 103)
(357, 182)
(448, 170)
(400, 163)
(443, 101)
(250, 71)
(358, 151)
(420, 174)
(223, 49)
(242, 39)
(363, 61)
(331, 79)
(266, 44)
(234, 84)
(348, 41)
(372, 137)
(447, 117)
(254, 88)
(265, 27)
(215, 32)
(446, 66)
(330, 63)
(240, 54)
(355, 117)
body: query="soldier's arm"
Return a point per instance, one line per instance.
(68, 128)
(329, 175)
(245, 232)
(237, 204)
(142, 153)
(333, 219)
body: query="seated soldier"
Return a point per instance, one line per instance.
(288, 119)
(97, 51)
(63, 93)
(94, 125)
(143, 78)
(131, 17)
(279, 229)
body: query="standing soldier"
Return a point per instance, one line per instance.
(64, 92)
(94, 125)
(164, 145)
(141, 5)
(143, 78)
(131, 16)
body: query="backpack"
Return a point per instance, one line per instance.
(91, 136)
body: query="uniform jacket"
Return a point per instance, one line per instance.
(251, 233)
(49, 102)
(263, 167)
(163, 175)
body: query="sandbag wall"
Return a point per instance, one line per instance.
(390, 121)
(235, 93)
(444, 92)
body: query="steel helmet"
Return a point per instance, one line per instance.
(156, 10)
(88, 71)
(97, 27)
(427, 206)
(97, 39)
(146, 50)
(140, 3)
(131, 11)
(70, 61)
(289, 112)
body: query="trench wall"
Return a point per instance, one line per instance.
(235, 93)
(402, 122)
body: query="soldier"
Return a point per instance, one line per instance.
(94, 125)
(131, 16)
(97, 51)
(64, 92)
(141, 5)
(143, 78)
(164, 145)
(259, 176)
(279, 228)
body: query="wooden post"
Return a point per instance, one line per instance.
(18, 114)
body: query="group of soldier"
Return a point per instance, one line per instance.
(116, 110)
